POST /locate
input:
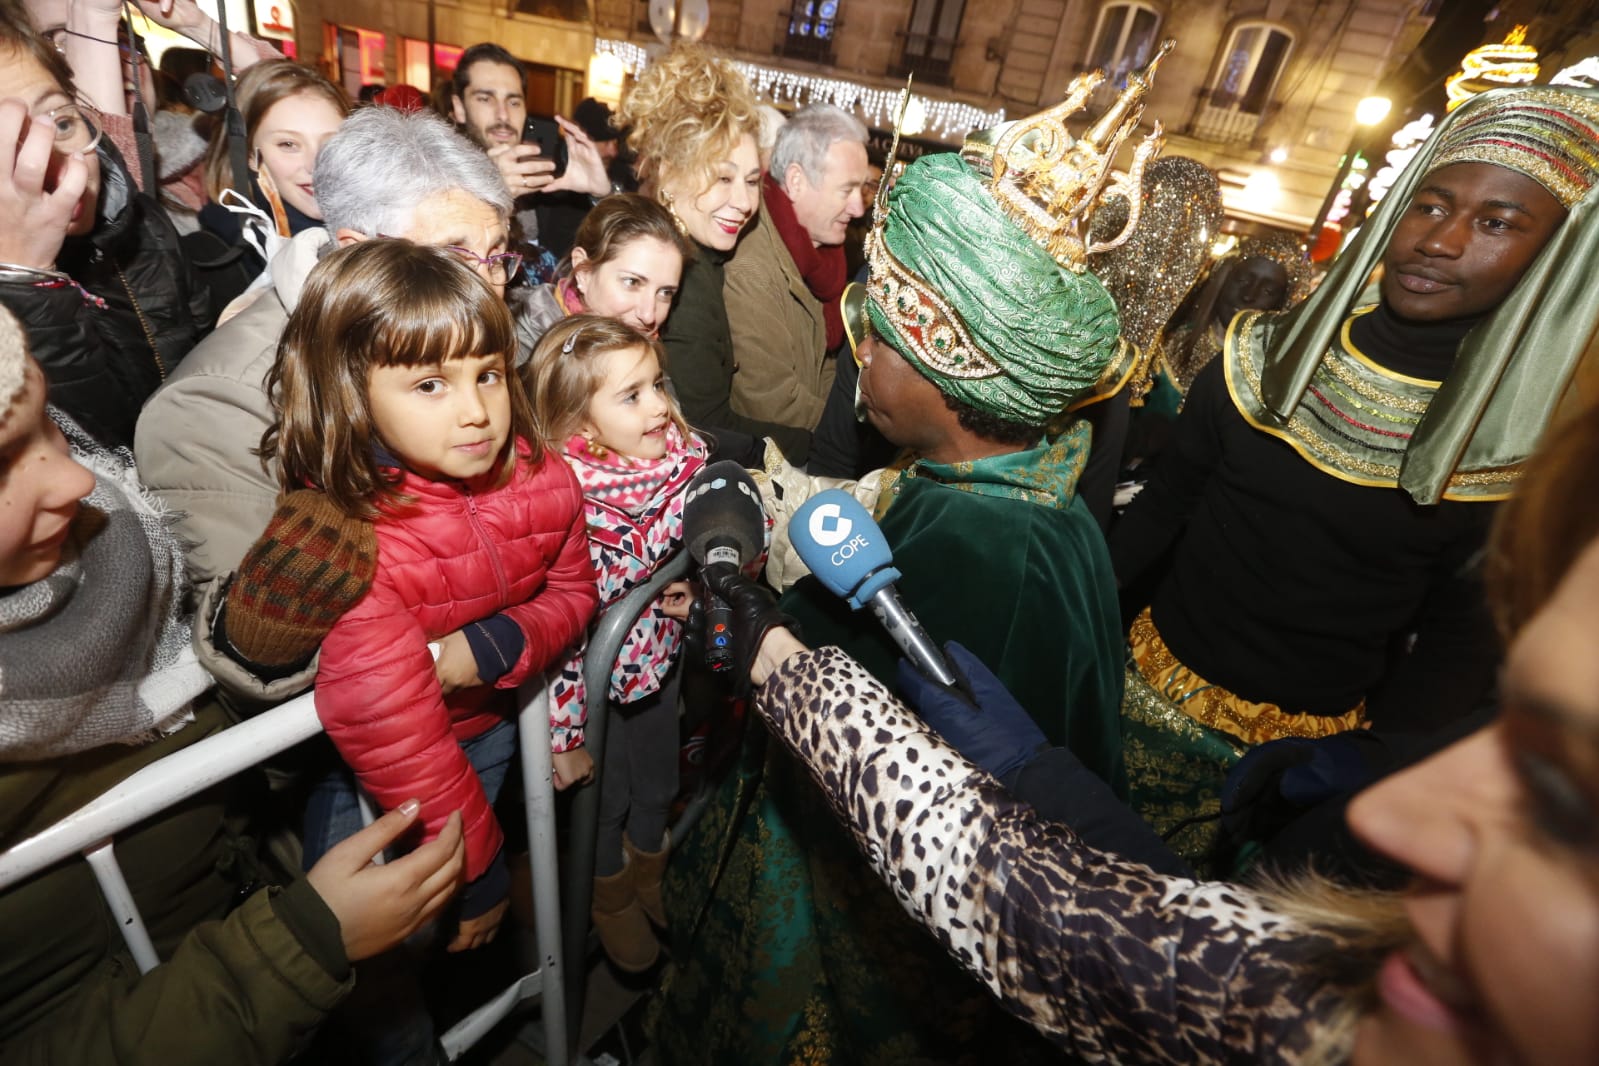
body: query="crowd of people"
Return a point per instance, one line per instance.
(1291, 758)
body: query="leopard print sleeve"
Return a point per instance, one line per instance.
(1113, 962)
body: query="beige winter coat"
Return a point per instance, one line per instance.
(779, 333)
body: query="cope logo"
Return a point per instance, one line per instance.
(828, 526)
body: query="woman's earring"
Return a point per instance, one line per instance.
(595, 449)
(668, 202)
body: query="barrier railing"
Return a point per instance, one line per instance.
(558, 980)
(91, 831)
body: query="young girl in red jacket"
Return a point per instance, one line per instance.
(395, 399)
(599, 390)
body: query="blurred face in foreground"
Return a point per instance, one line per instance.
(1502, 834)
(40, 487)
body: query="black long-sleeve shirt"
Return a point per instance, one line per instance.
(1293, 587)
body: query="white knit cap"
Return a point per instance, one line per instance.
(13, 359)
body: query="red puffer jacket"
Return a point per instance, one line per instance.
(449, 560)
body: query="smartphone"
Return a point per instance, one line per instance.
(547, 135)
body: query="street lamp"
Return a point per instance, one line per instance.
(1372, 110)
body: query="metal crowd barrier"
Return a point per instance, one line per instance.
(557, 982)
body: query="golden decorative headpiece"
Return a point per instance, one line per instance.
(1050, 184)
(979, 262)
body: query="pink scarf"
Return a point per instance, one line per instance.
(630, 485)
(568, 297)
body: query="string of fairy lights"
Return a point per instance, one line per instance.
(940, 118)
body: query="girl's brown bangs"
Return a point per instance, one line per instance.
(429, 328)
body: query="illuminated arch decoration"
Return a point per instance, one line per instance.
(1493, 66)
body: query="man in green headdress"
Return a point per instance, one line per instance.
(1333, 474)
(978, 340)
(983, 326)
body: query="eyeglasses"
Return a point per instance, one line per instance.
(74, 133)
(499, 268)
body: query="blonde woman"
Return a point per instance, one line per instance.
(695, 121)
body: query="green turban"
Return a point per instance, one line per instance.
(979, 308)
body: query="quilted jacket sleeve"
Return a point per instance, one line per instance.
(552, 620)
(196, 442)
(380, 701)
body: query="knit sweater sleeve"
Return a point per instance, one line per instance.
(1109, 960)
(245, 991)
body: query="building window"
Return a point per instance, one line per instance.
(1249, 67)
(565, 10)
(810, 30)
(930, 39)
(358, 54)
(1124, 40)
(414, 62)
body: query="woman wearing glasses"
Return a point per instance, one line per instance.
(91, 266)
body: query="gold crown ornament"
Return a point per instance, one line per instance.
(1050, 184)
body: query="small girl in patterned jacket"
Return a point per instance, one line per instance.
(599, 392)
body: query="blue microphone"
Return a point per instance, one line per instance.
(844, 548)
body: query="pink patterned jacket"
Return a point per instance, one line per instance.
(634, 511)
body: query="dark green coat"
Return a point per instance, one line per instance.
(244, 989)
(1013, 566)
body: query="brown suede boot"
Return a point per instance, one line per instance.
(648, 868)
(625, 933)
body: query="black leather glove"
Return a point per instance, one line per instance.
(754, 611)
(979, 718)
(1277, 782)
(694, 631)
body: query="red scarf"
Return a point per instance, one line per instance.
(823, 269)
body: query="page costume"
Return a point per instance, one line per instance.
(1332, 481)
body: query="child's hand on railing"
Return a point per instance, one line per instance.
(455, 664)
(676, 598)
(573, 767)
(379, 906)
(475, 932)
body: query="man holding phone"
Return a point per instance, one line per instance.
(490, 107)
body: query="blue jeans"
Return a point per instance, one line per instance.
(333, 812)
(385, 1015)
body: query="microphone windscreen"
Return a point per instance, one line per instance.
(836, 537)
(722, 506)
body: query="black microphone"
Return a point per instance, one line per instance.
(836, 537)
(723, 522)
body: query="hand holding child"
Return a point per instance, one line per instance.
(570, 768)
(379, 906)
